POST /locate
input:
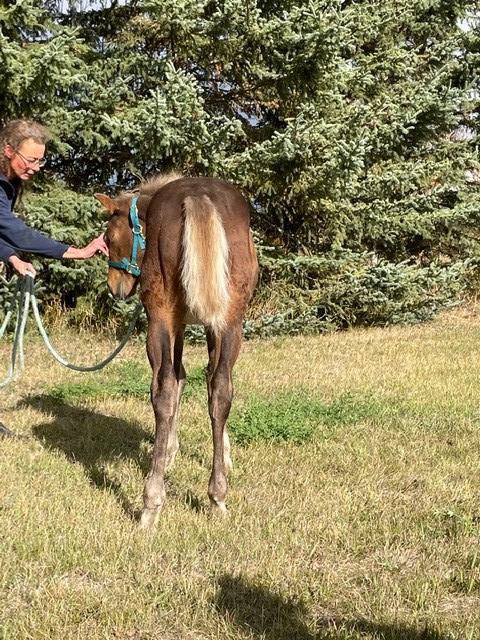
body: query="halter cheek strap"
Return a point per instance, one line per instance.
(131, 266)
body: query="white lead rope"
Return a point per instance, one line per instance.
(24, 301)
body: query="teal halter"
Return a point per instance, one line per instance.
(131, 266)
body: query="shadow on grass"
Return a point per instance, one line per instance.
(92, 439)
(263, 614)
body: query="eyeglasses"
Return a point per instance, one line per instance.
(40, 162)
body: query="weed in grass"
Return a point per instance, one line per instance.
(296, 416)
(452, 525)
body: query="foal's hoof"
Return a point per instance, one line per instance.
(149, 518)
(218, 509)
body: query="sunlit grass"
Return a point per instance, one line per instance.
(354, 502)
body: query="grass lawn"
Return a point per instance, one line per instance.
(354, 505)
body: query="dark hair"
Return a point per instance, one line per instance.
(15, 132)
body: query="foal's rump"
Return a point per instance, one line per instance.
(205, 222)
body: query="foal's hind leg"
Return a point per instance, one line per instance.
(164, 396)
(173, 445)
(223, 352)
(213, 344)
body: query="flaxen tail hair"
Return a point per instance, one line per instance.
(205, 274)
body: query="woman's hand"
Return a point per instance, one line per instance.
(97, 245)
(22, 267)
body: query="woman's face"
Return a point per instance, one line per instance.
(26, 160)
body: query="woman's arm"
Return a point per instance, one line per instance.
(15, 236)
(97, 245)
(21, 237)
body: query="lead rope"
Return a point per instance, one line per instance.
(19, 329)
(24, 301)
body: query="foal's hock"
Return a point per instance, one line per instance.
(187, 243)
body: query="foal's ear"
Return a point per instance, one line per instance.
(106, 201)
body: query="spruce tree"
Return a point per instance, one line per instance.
(341, 120)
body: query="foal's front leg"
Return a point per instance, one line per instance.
(164, 395)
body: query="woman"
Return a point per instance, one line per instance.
(22, 152)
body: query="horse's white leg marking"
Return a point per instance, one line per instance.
(227, 460)
(173, 444)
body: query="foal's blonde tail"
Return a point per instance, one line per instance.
(205, 275)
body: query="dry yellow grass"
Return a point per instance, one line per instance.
(368, 531)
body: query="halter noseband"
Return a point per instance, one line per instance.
(131, 266)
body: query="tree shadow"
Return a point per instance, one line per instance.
(92, 439)
(259, 612)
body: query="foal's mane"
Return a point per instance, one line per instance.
(147, 188)
(152, 185)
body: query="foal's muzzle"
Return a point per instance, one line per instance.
(121, 285)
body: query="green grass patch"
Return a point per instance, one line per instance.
(296, 416)
(196, 383)
(130, 378)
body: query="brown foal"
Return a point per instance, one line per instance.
(199, 266)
